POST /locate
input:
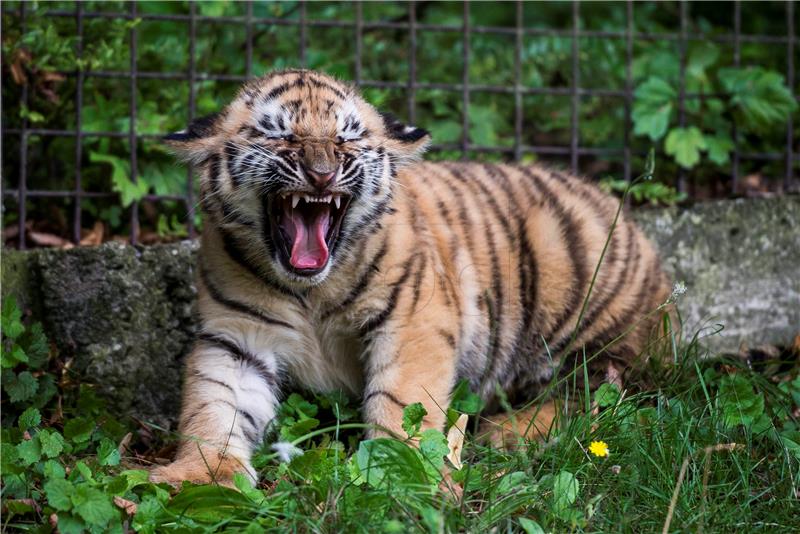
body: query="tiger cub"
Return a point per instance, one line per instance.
(333, 258)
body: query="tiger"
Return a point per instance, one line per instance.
(334, 258)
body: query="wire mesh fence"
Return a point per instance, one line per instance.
(414, 36)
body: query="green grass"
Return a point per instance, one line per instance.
(732, 431)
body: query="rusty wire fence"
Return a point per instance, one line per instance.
(21, 195)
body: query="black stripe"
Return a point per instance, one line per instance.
(234, 350)
(231, 152)
(527, 267)
(233, 251)
(386, 394)
(378, 320)
(249, 417)
(418, 276)
(649, 284)
(463, 214)
(448, 337)
(362, 284)
(575, 248)
(497, 318)
(186, 421)
(240, 307)
(631, 258)
(203, 378)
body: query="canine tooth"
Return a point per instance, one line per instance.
(295, 200)
(338, 201)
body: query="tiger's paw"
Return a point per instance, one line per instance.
(216, 469)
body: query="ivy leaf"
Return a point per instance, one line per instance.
(606, 395)
(741, 405)
(68, 524)
(412, 418)
(701, 56)
(464, 400)
(685, 144)
(22, 387)
(29, 451)
(719, 148)
(92, 505)
(652, 108)
(11, 358)
(390, 463)
(433, 447)
(29, 419)
(11, 319)
(760, 97)
(107, 453)
(79, 429)
(59, 493)
(52, 442)
(37, 348)
(121, 182)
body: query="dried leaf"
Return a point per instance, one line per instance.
(129, 506)
(95, 235)
(455, 440)
(49, 240)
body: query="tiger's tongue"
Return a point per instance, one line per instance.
(307, 232)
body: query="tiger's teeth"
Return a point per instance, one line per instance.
(308, 198)
(338, 201)
(295, 200)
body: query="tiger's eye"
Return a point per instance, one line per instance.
(289, 138)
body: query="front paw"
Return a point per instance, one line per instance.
(209, 469)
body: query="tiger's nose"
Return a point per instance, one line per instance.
(321, 180)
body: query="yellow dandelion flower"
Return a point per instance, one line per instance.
(599, 448)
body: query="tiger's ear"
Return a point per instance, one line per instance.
(197, 141)
(406, 143)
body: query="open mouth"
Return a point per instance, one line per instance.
(305, 228)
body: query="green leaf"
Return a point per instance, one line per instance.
(413, 414)
(652, 108)
(741, 404)
(445, 131)
(11, 358)
(565, 490)
(92, 505)
(464, 400)
(59, 493)
(719, 148)
(685, 144)
(135, 477)
(389, 463)
(121, 182)
(29, 451)
(22, 387)
(108, 453)
(530, 526)
(701, 56)
(53, 469)
(68, 524)
(433, 447)
(606, 395)
(52, 442)
(79, 429)
(29, 419)
(11, 319)
(760, 97)
(511, 482)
